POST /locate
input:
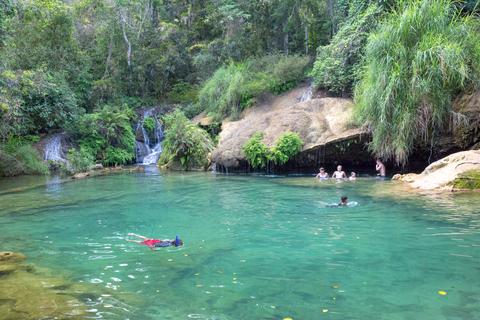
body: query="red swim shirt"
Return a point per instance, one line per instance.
(151, 242)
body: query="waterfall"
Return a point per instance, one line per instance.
(148, 150)
(307, 94)
(53, 148)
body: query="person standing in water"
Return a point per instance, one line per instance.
(339, 174)
(322, 175)
(380, 167)
(353, 176)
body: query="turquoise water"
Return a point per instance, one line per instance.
(255, 247)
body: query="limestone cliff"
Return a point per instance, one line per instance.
(320, 122)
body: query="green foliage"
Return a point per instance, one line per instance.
(149, 124)
(420, 57)
(286, 147)
(183, 92)
(258, 154)
(107, 134)
(35, 101)
(79, 160)
(184, 142)
(337, 64)
(235, 86)
(469, 180)
(23, 159)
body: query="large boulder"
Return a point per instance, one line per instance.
(318, 121)
(450, 173)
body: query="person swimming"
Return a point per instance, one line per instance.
(322, 175)
(343, 201)
(156, 243)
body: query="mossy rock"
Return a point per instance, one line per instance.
(469, 180)
(11, 257)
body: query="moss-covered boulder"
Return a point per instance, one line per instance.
(469, 180)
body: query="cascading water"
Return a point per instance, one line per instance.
(148, 150)
(307, 94)
(53, 148)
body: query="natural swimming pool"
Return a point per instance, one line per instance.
(255, 247)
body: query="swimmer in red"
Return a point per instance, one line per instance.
(155, 243)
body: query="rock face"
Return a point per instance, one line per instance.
(444, 173)
(322, 123)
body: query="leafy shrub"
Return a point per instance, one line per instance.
(184, 142)
(116, 156)
(286, 147)
(337, 65)
(107, 135)
(235, 86)
(419, 58)
(258, 154)
(79, 160)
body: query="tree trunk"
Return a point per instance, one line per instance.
(306, 39)
(332, 18)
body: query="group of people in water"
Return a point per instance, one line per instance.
(155, 244)
(341, 175)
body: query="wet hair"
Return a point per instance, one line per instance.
(180, 243)
(344, 198)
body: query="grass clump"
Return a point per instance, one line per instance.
(234, 87)
(469, 180)
(418, 59)
(184, 142)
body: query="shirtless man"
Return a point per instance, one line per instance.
(380, 167)
(339, 174)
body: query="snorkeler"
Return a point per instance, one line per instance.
(156, 243)
(322, 175)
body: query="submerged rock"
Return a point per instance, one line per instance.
(318, 121)
(460, 170)
(27, 294)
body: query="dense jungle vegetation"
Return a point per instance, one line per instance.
(85, 66)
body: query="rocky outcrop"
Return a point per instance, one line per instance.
(324, 124)
(446, 173)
